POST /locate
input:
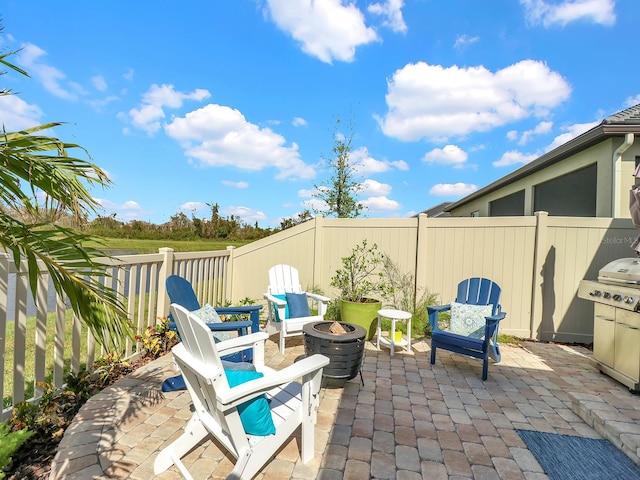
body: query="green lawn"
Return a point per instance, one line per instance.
(152, 246)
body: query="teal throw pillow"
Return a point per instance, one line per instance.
(286, 307)
(255, 414)
(208, 314)
(298, 305)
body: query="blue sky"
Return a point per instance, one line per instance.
(235, 102)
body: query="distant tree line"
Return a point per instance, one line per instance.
(182, 227)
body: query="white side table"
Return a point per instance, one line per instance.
(394, 316)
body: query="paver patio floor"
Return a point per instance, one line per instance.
(410, 420)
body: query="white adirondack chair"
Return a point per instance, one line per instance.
(291, 402)
(284, 279)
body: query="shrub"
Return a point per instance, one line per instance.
(10, 442)
(403, 295)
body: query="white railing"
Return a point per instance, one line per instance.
(60, 339)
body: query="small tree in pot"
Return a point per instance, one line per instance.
(362, 283)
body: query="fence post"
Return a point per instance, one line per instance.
(539, 259)
(228, 294)
(318, 273)
(166, 269)
(421, 253)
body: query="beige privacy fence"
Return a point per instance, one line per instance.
(538, 261)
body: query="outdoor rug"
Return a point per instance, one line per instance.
(566, 457)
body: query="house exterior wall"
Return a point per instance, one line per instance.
(600, 154)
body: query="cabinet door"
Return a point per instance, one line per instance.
(627, 352)
(604, 334)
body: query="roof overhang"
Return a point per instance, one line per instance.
(591, 137)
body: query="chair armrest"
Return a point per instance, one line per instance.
(438, 308)
(248, 390)
(318, 298)
(252, 310)
(433, 312)
(239, 310)
(229, 326)
(278, 301)
(240, 343)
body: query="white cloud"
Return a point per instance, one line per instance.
(632, 101)
(512, 135)
(452, 189)
(299, 122)
(148, 116)
(248, 215)
(437, 103)
(449, 155)
(52, 79)
(367, 165)
(391, 11)
(514, 157)
(192, 206)
(571, 132)
(374, 188)
(99, 83)
(128, 75)
(16, 114)
(463, 41)
(218, 135)
(127, 211)
(326, 29)
(541, 128)
(567, 11)
(101, 102)
(380, 204)
(240, 184)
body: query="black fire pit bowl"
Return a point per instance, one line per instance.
(345, 351)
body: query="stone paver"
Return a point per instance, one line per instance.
(409, 420)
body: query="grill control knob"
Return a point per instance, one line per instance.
(617, 297)
(595, 293)
(606, 295)
(628, 300)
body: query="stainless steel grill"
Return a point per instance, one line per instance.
(616, 326)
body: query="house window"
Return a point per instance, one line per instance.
(571, 195)
(509, 206)
(476, 213)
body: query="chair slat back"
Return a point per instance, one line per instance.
(479, 291)
(180, 291)
(284, 279)
(196, 337)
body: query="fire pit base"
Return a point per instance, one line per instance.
(345, 351)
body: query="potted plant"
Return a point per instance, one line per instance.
(362, 285)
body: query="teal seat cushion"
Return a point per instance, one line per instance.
(298, 305)
(208, 314)
(286, 307)
(255, 414)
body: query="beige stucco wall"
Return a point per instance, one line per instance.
(602, 154)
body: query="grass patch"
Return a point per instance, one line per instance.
(30, 353)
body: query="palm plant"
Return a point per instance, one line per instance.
(34, 165)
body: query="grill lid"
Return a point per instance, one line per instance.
(624, 271)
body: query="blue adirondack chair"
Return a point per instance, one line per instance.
(481, 343)
(181, 292)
